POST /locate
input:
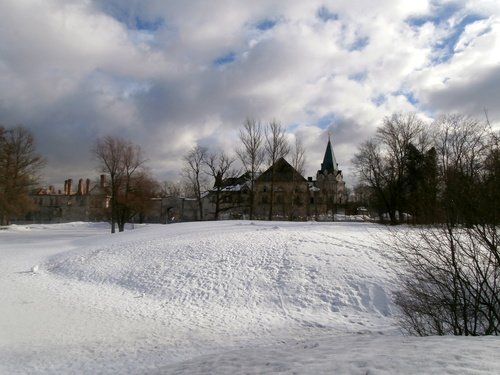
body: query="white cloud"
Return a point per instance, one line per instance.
(76, 70)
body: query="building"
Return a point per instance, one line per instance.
(328, 195)
(90, 202)
(282, 193)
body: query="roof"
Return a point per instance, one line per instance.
(329, 164)
(283, 172)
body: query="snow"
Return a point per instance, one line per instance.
(214, 297)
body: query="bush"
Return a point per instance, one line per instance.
(450, 280)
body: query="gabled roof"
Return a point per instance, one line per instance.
(283, 172)
(329, 164)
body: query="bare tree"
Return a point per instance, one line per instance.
(193, 172)
(276, 147)
(123, 162)
(219, 168)
(381, 162)
(451, 281)
(20, 165)
(298, 163)
(251, 154)
(171, 189)
(299, 156)
(462, 149)
(138, 200)
(371, 169)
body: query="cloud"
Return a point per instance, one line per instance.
(169, 75)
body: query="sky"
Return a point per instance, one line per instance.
(169, 75)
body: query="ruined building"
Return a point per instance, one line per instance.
(89, 202)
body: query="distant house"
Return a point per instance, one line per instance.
(293, 196)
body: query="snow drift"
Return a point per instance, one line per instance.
(216, 297)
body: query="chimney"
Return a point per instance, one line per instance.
(87, 186)
(80, 186)
(103, 181)
(65, 187)
(70, 186)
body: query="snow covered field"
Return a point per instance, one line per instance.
(212, 298)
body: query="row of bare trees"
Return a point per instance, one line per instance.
(425, 171)
(260, 146)
(446, 175)
(20, 165)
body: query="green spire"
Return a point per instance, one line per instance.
(329, 162)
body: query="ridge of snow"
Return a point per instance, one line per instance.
(212, 297)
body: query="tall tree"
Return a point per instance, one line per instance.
(421, 185)
(371, 169)
(298, 163)
(123, 162)
(138, 198)
(276, 147)
(219, 168)
(381, 162)
(462, 148)
(193, 172)
(20, 165)
(299, 156)
(251, 154)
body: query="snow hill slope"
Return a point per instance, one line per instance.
(217, 297)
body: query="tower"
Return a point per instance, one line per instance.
(329, 193)
(329, 165)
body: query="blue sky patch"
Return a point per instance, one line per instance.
(358, 77)
(127, 16)
(327, 120)
(265, 24)
(446, 46)
(326, 15)
(408, 95)
(359, 44)
(225, 59)
(378, 100)
(438, 15)
(149, 25)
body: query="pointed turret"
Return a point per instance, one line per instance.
(329, 164)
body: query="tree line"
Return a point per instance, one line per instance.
(446, 176)
(418, 172)
(130, 182)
